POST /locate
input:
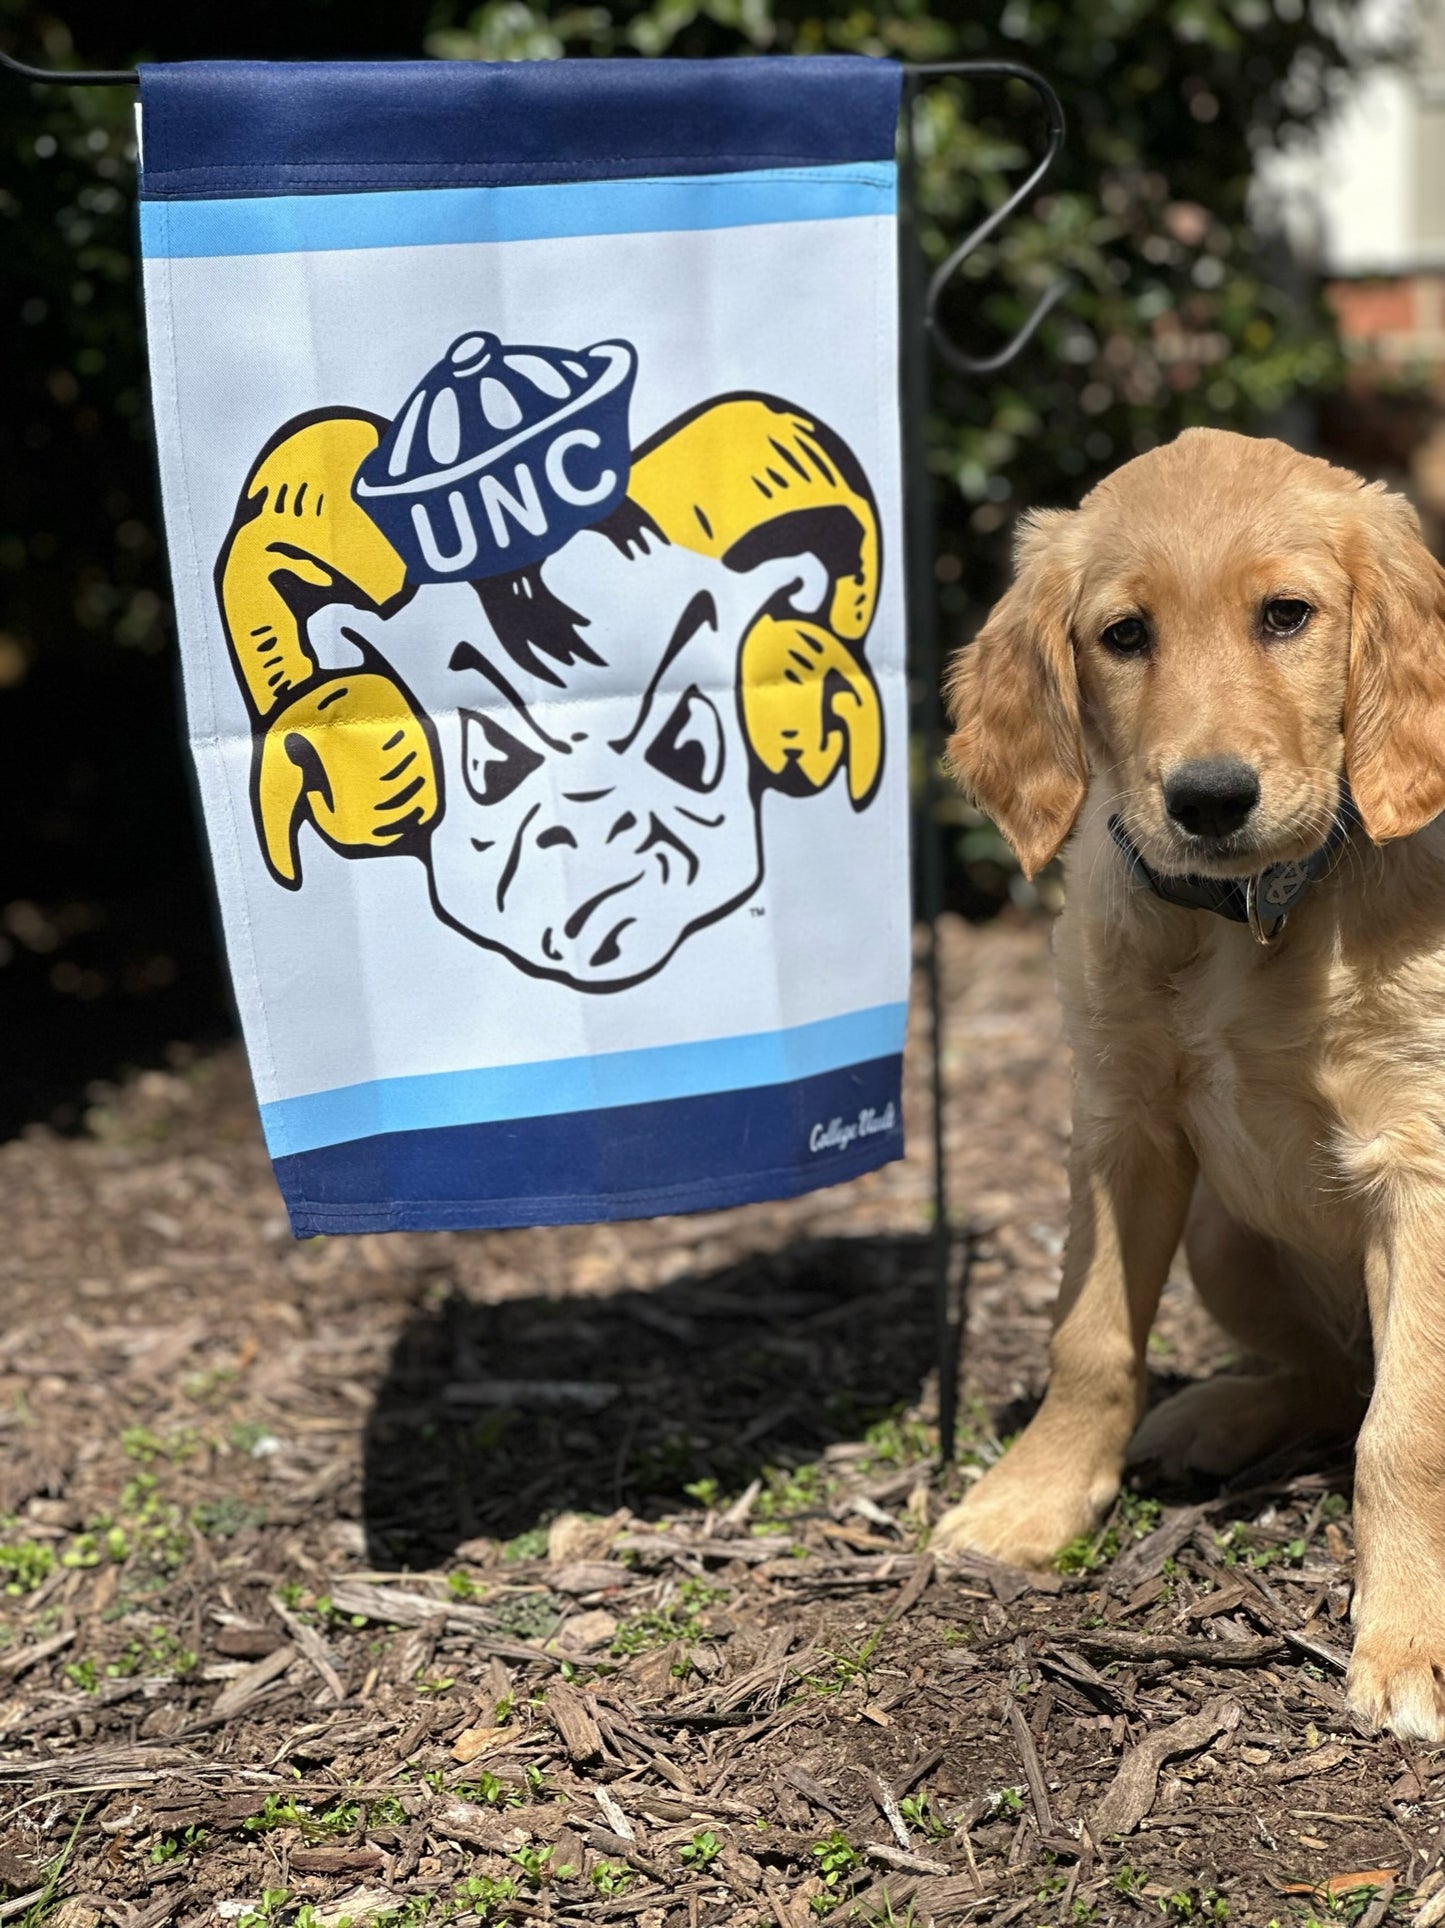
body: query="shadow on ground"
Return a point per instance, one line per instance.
(493, 1418)
(108, 949)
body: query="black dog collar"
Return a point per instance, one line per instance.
(1263, 901)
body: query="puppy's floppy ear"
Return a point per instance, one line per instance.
(1395, 700)
(1013, 700)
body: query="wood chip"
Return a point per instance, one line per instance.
(12, 1665)
(1320, 1761)
(588, 1576)
(20, 1904)
(653, 1549)
(312, 1646)
(1317, 1650)
(568, 1713)
(1374, 1915)
(742, 1506)
(904, 1860)
(477, 1827)
(585, 1632)
(1113, 1696)
(888, 1805)
(1121, 1645)
(1146, 1557)
(623, 1849)
(247, 1643)
(1131, 1794)
(820, 1797)
(1033, 1772)
(474, 1742)
(361, 1905)
(1344, 1884)
(612, 1814)
(912, 1590)
(396, 1607)
(941, 1898)
(245, 1687)
(1007, 1583)
(1433, 1912)
(336, 1860)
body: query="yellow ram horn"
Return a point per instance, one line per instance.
(353, 757)
(716, 483)
(809, 704)
(344, 751)
(296, 520)
(722, 474)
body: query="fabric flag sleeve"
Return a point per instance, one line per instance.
(529, 449)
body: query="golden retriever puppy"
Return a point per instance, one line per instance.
(1222, 681)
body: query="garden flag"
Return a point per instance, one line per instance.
(529, 444)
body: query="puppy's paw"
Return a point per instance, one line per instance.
(1017, 1519)
(1224, 1423)
(1397, 1680)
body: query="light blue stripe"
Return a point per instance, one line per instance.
(598, 1083)
(423, 217)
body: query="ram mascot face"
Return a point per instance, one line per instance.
(560, 672)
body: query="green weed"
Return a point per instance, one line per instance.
(25, 1566)
(918, 1813)
(703, 1849)
(482, 1892)
(790, 1490)
(680, 1619)
(1193, 1904)
(537, 1867)
(140, 1443)
(169, 1847)
(531, 1545)
(611, 1877)
(226, 1516)
(838, 1860)
(846, 1666)
(1005, 1801)
(488, 1791)
(346, 1817)
(899, 1441)
(45, 1901)
(1237, 1546)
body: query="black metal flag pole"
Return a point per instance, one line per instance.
(922, 335)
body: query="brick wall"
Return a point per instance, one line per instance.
(1399, 321)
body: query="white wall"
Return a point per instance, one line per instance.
(1366, 195)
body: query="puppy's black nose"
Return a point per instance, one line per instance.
(1211, 798)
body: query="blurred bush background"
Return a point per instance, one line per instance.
(1184, 310)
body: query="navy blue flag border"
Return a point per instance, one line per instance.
(228, 129)
(221, 140)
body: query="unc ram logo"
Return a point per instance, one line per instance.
(561, 673)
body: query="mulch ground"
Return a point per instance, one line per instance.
(581, 1576)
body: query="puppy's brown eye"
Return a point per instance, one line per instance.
(1285, 616)
(1128, 637)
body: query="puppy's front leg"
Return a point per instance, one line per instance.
(1397, 1670)
(1129, 1192)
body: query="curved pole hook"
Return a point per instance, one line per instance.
(948, 350)
(66, 77)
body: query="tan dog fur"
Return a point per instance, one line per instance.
(1281, 1109)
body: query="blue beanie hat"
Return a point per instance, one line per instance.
(500, 455)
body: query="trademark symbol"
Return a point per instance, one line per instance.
(758, 910)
